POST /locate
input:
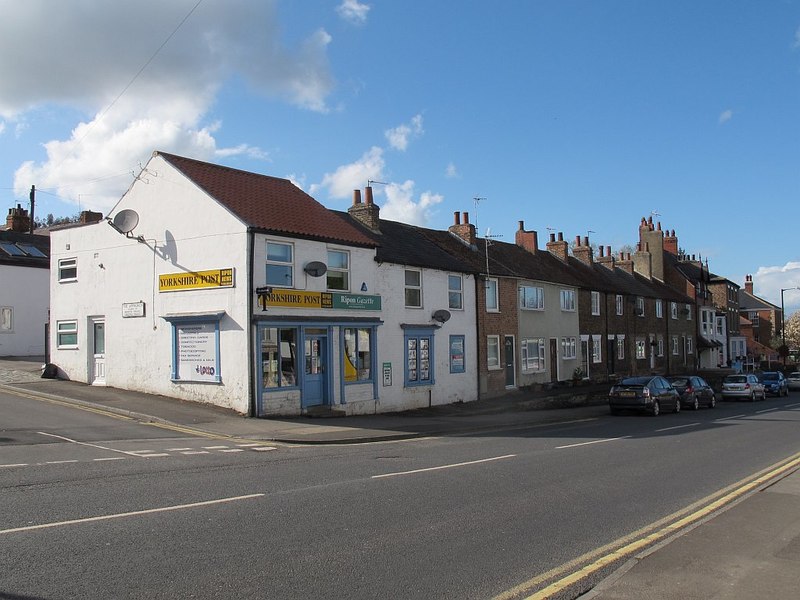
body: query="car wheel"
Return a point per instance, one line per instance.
(713, 402)
(696, 404)
(752, 396)
(656, 409)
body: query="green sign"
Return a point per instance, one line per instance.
(355, 301)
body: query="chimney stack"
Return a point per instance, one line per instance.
(465, 231)
(643, 260)
(671, 243)
(748, 284)
(625, 263)
(368, 213)
(529, 240)
(583, 251)
(18, 220)
(560, 248)
(606, 258)
(88, 216)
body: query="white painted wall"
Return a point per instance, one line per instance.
(184, 230)
(26, 291)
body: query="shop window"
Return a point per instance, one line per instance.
(358, 354)
(455, 292)
(419, 363)
(195, 349)
(338, 270)
(67, 334)
(413, 289)
(279, 357)
(67, 269)
(457, 354)
(280, 264)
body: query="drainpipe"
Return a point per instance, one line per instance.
(251, 388)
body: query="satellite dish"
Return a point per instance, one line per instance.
(125, 221)
(316, 268)
(441, 316)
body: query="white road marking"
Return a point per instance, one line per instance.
(729, 418)
(196, 452)
(176, 449)
(14, 465)
(766, 410)
(264, 448)
(677, 427)
(593, 442)
(128, 514)
(792, 405)
(111, 458)
(452, 466)
(233, 450)
(214, 447)
(59, 462)
(248, 445)
(66, 439)
(155, 455)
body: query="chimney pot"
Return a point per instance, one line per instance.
(457, 218)
(602, 251)
(552, 237)
(522, 226)
(577, 240)
(368, 194)
(560, 236)
(466, 218)
(356, 197)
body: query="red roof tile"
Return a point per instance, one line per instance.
(269, 203)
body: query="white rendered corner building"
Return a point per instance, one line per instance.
(240, 290)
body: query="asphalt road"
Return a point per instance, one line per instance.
(101, 507)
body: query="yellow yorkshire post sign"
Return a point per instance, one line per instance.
(195, 280)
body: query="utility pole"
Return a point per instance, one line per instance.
(33, 202)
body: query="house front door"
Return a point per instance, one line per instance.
(98, 364)
(508, 347)
(553, 359)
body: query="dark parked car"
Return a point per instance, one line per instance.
(775, 384)
(650, 394)
(694, 391)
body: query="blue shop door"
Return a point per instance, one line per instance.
(315, 378)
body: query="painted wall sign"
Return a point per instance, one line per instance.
(387, 374)
(301, 299)
(195, 280)
(132, 309)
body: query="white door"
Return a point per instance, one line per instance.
(99, 352)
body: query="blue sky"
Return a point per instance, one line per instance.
(572, 116)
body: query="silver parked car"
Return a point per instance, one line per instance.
(745, 385)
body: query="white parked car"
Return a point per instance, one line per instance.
(794, 380)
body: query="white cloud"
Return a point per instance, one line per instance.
(768, 282)
(451, 172)
(86, 57)
(399, 136)
(401, 206)
(341, 183)
(725, 116)
(353, 11)
(2, 127)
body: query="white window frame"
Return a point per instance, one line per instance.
(345, 271)
(673, 310)
(67, 265)
(688, 312)
(659, 309)
(569, 348)
(660, 345)
(676, 348)
(595, 303)
(6, 319)
(567, 300)
(280, 263)
(689, 345)
(455, 292)
(492, 295)
(531, 297)
(533, 355)
(641, 350)
(639, 306)
(597, 349)
(412, 287)
(493, 353)
(620, 305)
(620, 348)
(66, 327)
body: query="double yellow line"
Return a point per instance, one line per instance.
(573, 572)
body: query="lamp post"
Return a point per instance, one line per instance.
(783, 318)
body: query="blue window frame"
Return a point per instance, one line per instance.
(418, 368)
(195, 348)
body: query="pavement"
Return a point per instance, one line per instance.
(749, 548)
